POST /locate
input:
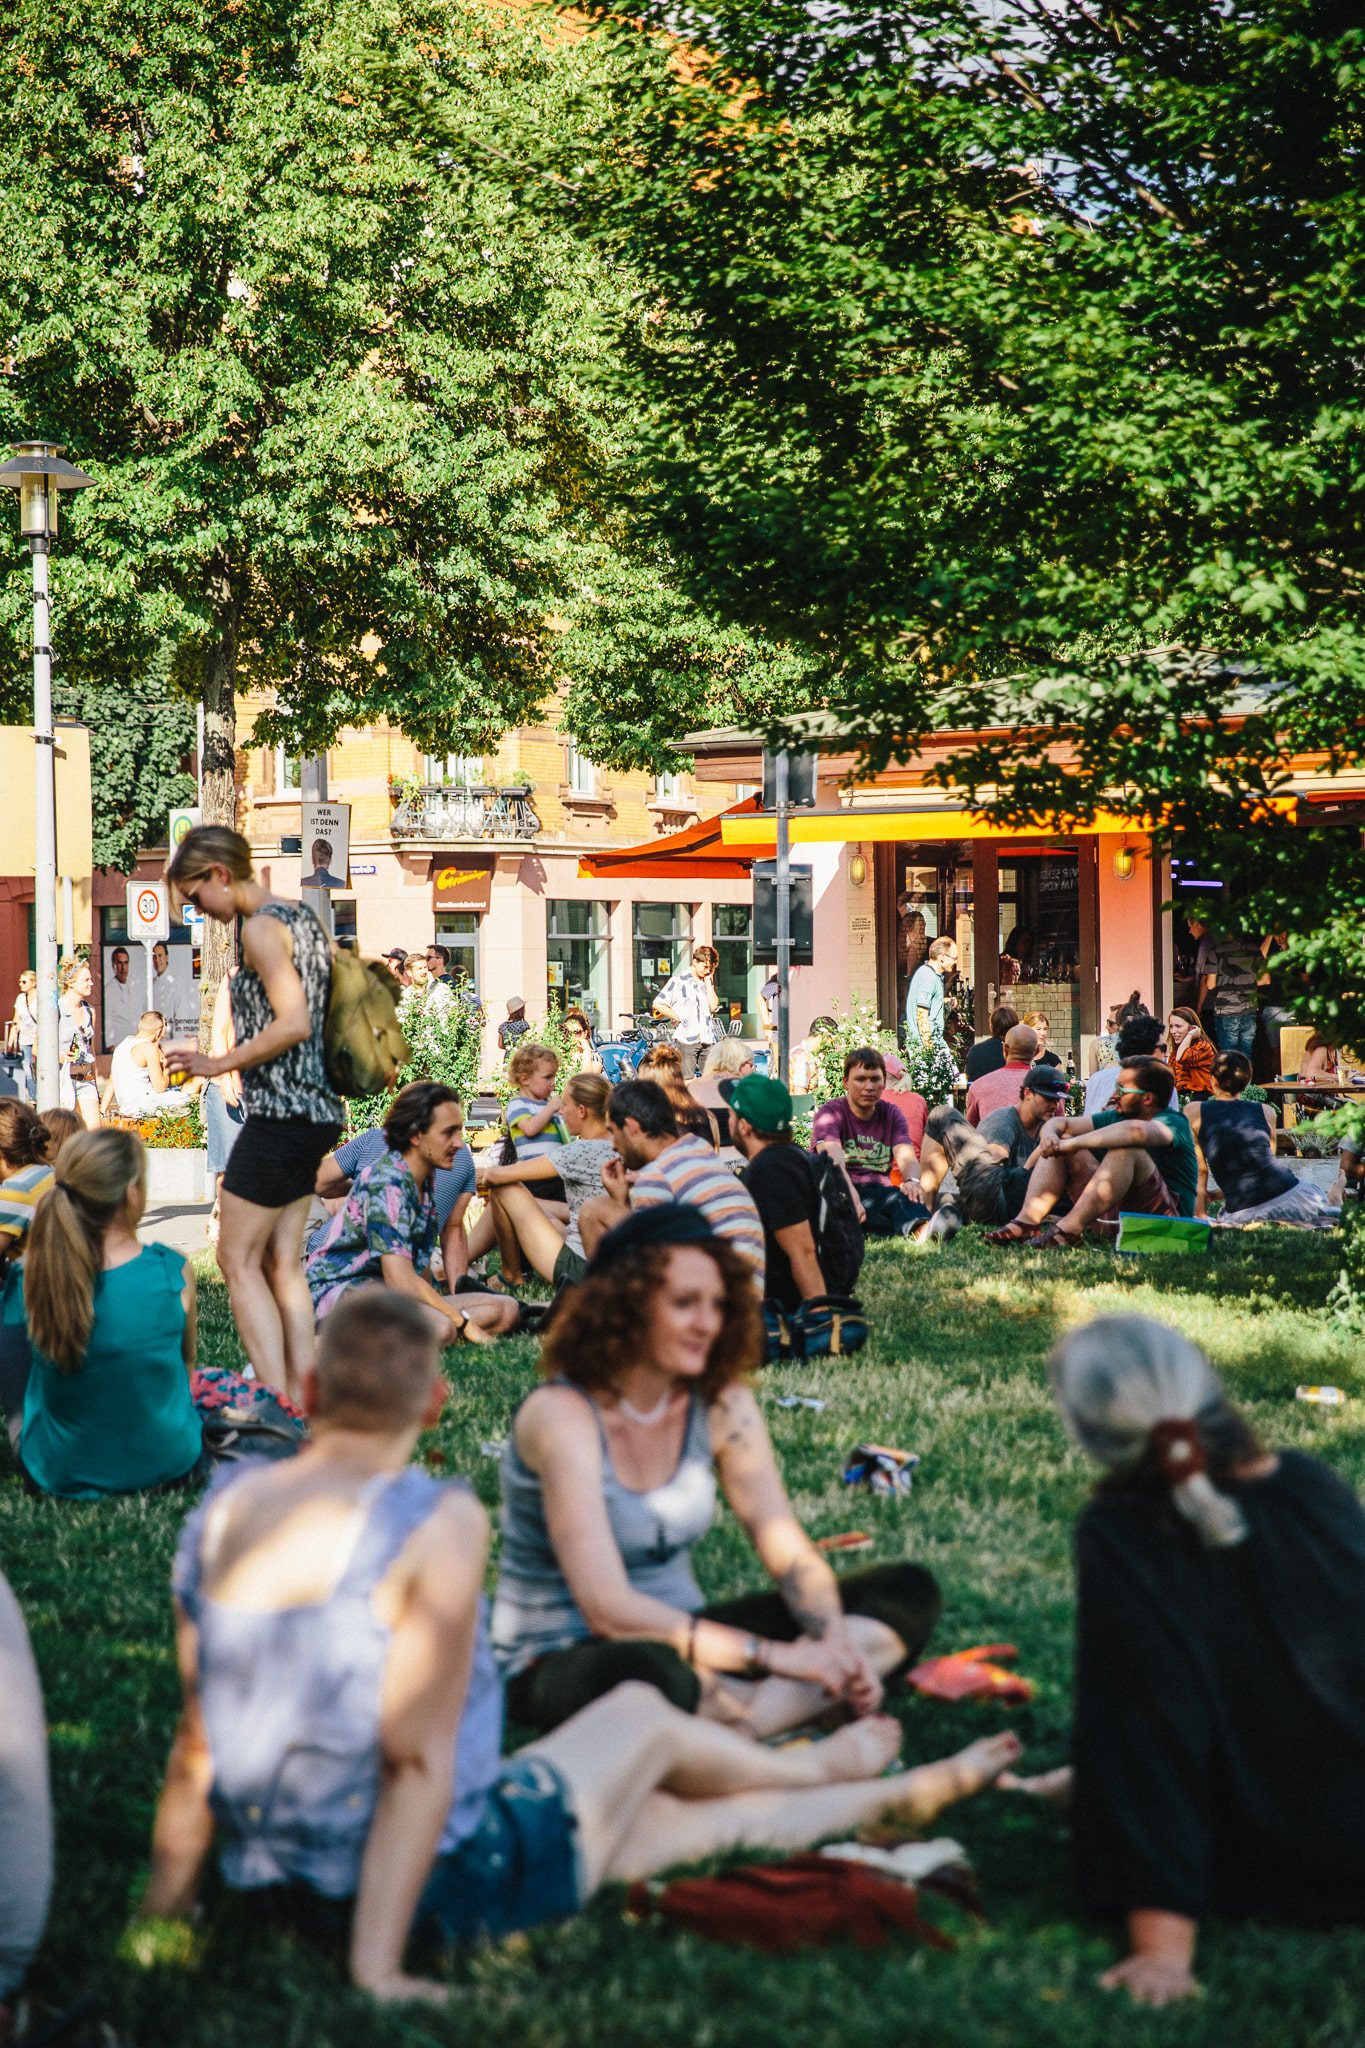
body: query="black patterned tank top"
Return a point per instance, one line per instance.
(295, 1083)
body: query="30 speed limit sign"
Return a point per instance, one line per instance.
(149, 912)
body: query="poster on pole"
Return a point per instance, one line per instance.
(325, 860)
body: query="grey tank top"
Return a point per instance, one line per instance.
(295, 1084)
(533, 1610)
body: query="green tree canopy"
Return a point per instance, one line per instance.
(341, 447)
(1006, 361)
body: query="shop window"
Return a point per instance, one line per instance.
(577, 959)
(660, 942)
(458, 932)
(737, 978)
(344, 922)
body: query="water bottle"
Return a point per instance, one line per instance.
(1321, 1397)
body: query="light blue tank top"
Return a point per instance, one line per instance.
(290, 1702)
(533, 1610)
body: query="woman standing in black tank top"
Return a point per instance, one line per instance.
(293, 1117)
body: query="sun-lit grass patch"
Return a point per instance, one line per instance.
(955, 1371)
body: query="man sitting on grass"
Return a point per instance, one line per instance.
(779, 1176)
(388, 1226)
(867, 1137)
(989, 1165)
(656, 1162)
(1139, 1156)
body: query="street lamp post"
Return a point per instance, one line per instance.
(39, 475)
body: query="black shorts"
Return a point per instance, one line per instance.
(275, 1160)
(551, 1190)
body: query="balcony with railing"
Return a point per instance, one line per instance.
(452, 810)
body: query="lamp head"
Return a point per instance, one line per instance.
(39, 475)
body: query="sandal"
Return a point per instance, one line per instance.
(1012, 1233)
(1054, 1239)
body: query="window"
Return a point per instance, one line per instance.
(458, 932)
(738, 980)
(661, 942)
(668, 789)
(581, 773)
(344, 922)
(288, 772)
(577, 959)
(744, 790)
(464, 770)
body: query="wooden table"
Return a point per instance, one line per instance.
(1287, 1091)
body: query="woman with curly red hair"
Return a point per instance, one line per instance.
(610, 1477)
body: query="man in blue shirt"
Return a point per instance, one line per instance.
(924, 998)
(452, 1186)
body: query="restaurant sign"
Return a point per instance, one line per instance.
(461, 884)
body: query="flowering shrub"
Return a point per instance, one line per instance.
(180, 1130)
(444, 1044)
(857, 1026)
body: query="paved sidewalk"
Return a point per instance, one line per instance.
(184, 1225)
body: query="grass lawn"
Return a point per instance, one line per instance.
(955, 1372)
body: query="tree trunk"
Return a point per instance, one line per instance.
(219, 778)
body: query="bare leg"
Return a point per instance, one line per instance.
(487, 1316)
(631, 1743)
(244, 1233)
(775, 1704)
(598, 1215)
(667, 1830)
(1046, 1183)
(933, 1168)
(509, 1251)
(481, 1237)
(533, 1230)
(283, 1266)
(1115, 1175)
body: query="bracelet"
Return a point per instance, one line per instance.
(689, 1654)
(756, 1663)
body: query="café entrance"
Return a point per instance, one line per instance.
(1024, 914)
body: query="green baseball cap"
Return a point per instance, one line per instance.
(761, 1102)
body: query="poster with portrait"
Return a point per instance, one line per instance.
(175, 990)
(325, 858)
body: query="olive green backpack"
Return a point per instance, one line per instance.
(363, 1041)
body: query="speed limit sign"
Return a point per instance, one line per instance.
(149, 912)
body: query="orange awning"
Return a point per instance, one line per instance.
(697, 853)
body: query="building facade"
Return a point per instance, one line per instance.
(483, 854)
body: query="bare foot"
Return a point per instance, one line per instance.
(1052, 1786)
(926, 1790)
(861, 1750)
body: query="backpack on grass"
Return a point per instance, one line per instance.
(363, 1042)
(839, 1241)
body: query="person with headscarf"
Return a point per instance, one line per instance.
(1218, 1752)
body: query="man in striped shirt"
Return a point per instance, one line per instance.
(655, 1163)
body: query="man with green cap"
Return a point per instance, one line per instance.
(779, 1177)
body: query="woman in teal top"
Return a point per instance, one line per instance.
(111, 1323)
